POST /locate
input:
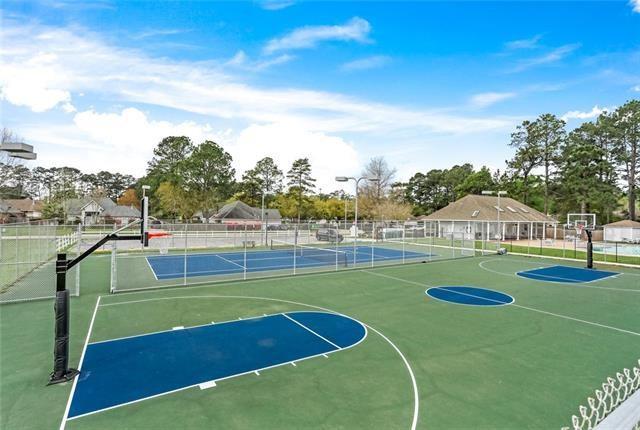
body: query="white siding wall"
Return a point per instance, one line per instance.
(619, 234)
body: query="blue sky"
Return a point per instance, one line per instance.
(96, 84)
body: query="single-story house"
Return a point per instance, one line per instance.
(622, 231)
(100, 210)
(474, 217)
(238, 212)
(20, 210)
(31, 209)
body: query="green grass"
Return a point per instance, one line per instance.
(505, 367)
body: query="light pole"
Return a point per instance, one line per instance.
(355, 220)
(264, 227)
(144, 189)
(498, 193)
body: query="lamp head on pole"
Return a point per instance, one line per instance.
(341, 179)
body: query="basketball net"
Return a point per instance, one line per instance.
(160, 239)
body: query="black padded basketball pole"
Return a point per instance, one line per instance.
(589, 249)
(61, 371)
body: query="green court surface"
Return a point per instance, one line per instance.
(425, 362)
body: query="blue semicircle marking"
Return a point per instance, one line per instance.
(471, 296)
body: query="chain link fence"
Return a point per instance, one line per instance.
(203, 253)
(27, 259)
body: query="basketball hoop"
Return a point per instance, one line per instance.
(160, 239)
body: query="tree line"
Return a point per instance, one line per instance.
(592, 168)
(189, 180)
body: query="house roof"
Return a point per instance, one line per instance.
(241, 210)
(118, 211)
(74, 206)
(6, 208)
(25, 205)
(485, 208)
(624, 223)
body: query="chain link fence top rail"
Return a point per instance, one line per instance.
(614, 392)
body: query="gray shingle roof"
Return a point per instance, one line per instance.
(483, 208)
(241, 210)
(625, 223)
(121, 212)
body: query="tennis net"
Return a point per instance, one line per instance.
(324, 255)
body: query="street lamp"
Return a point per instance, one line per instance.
(144, 190)
(498, 193)
(355, 220)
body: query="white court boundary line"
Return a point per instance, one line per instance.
(65, 417)
(573, 284)
(228, 261)
(367, 327)
(311, 331)
(151, 268)
(526, 307)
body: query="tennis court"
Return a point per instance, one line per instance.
(211, 264)
(226, 355)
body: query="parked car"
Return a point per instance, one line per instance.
(329, 235)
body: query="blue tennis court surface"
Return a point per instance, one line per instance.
(474, 296)
(225, 263)
(126, 370)
(568, 274)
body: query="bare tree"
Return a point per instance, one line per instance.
(378, 167)
(7, 163)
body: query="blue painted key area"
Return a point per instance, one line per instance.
(472, 296)
(568, 274)
(226, 263)
(125, 370)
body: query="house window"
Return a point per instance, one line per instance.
(512, 209)
(524, 210)
(499, 209)
(475, 214)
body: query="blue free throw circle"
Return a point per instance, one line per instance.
(470, 296)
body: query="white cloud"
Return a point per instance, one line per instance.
(158, 33)
(553, 56)
(635, 4)
(241, 61)
(124, 141)
(356, 29)
(329, 155)
(366, 63)
(636, 88)
(35, 84)
(275, 4)
(121, 141)
(83, 63)
(487, 99)
(64, 63)
(593, 113)
(524, 43)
